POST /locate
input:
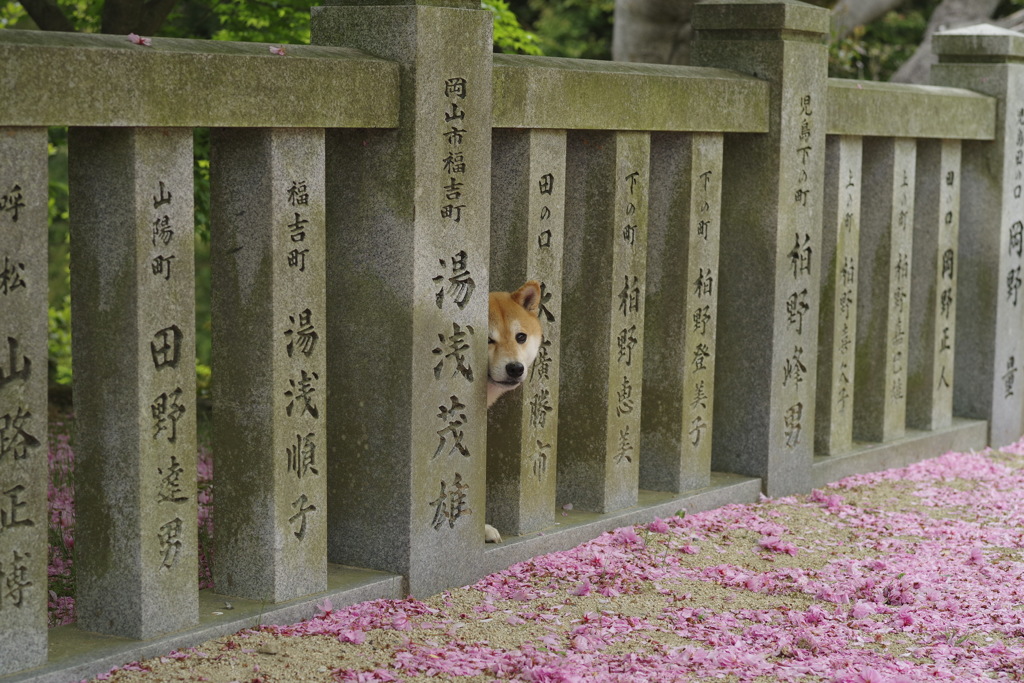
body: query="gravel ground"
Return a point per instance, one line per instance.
(906, 575)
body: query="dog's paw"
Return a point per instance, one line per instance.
(491, 534)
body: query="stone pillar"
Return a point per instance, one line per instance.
(837, 331)
(23, 407)
(607, 182)
(681, 310)
(989, 361)
(269, 358)
(771, 238)
(933, 285)
(883, 282)
(527, 223)
(134, 379)
(408, 218)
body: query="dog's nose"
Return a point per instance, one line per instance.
(514, 370)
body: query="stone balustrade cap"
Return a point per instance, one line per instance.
(789, 15)
(983, 40)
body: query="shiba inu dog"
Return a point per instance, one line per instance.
(513, 338)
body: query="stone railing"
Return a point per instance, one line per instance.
(752, 275)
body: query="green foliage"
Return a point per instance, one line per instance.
(59, 342)
(11, 14)
(59, 317)
(509, 35)
(874, 52)
(277, 21)
(569, 28)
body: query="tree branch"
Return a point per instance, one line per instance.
(949, 14)
(849, 14)
(47, 15)
(652, 31)
(1014, 22)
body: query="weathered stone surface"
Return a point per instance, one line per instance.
(23, 407)
(607, 184)
(527, 236)
(134, 379)
(269, 358)
(82, 79)
(680, 311)
(790, 16)
(407, 300)
(934, 285)
(987, 378)
(908, 110)
(837, 331)
(770, 251)
(883, 283)
(554, 92)
(978, 44)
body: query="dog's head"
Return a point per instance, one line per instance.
(514, 334)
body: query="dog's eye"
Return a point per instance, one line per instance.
(490, 341)
(521, 337)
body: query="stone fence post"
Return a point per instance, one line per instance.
(764, 408)
(23, 409)
(408, 214)
(135, 381)
(990, 355)
(267, 190)
(527, 236)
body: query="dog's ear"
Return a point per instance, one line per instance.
(528, 296)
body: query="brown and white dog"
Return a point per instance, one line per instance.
(513, 340)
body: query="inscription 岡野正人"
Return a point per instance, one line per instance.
(1012, 277)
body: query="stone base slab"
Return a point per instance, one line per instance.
(76, 654)
(962, 435)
